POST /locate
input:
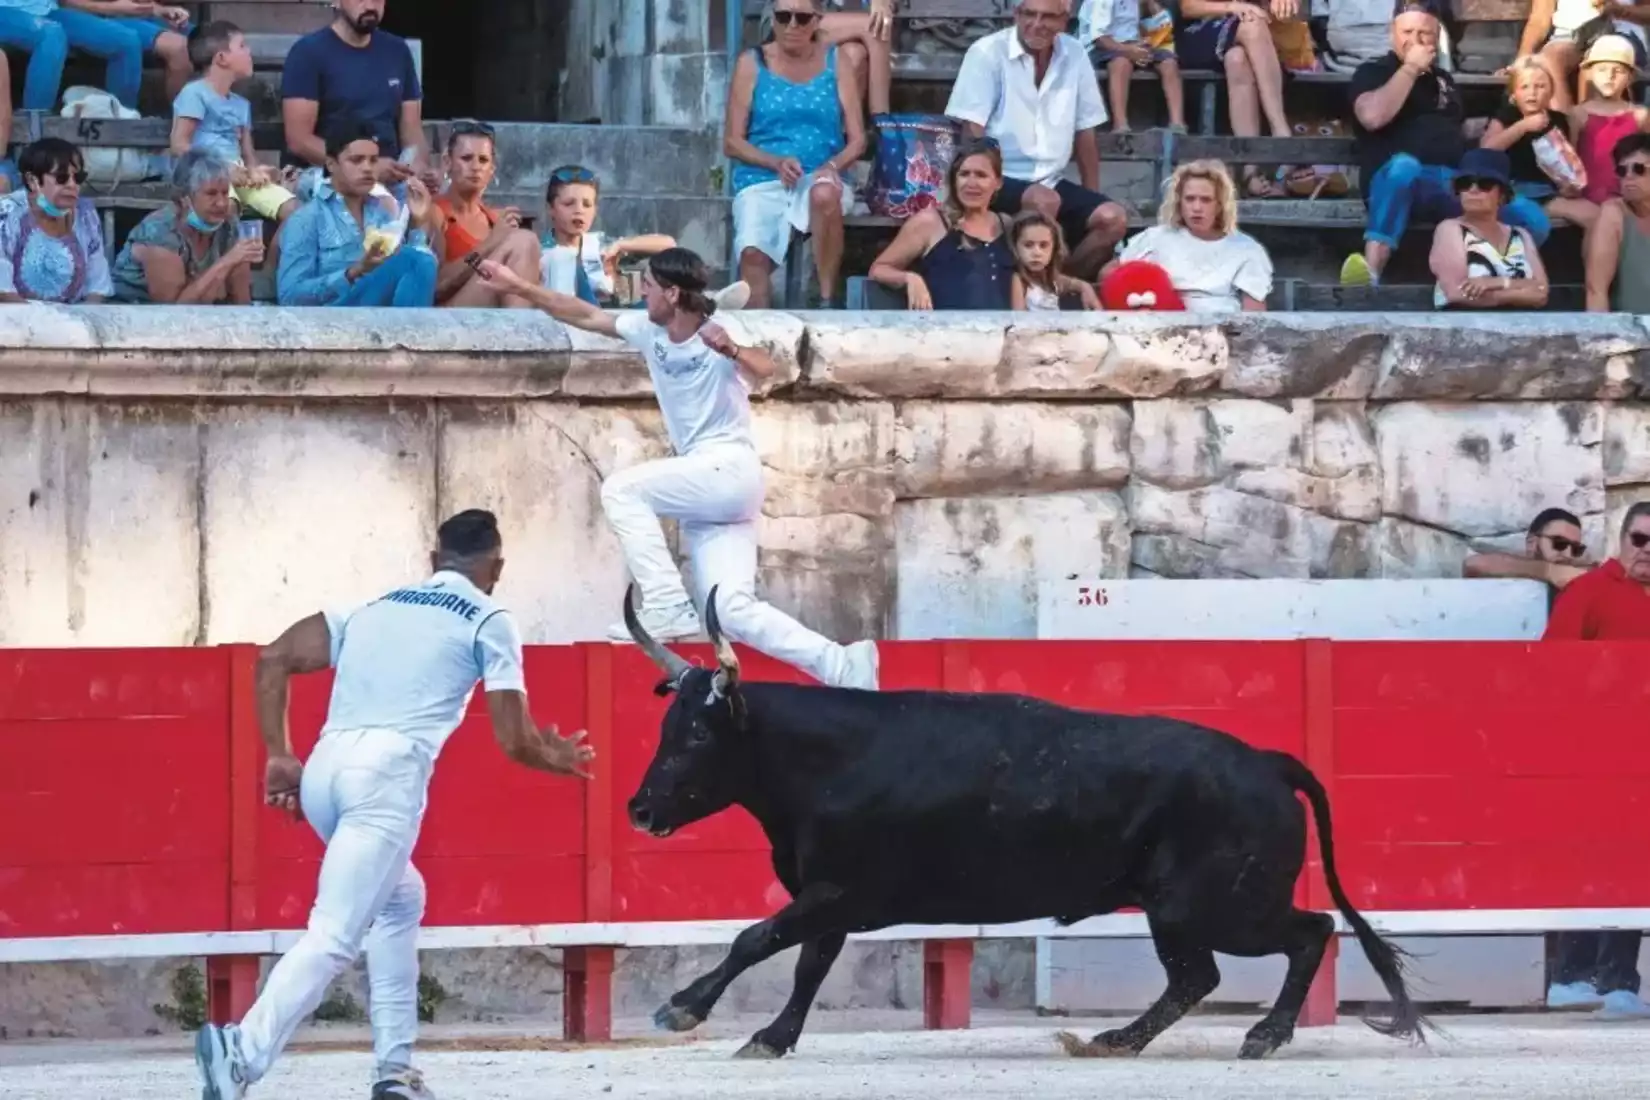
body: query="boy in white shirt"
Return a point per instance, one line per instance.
(1125, 35)
(577, 261)
(713, 483)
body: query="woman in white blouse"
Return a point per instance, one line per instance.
(1214, 267)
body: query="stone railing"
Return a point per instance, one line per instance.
(209, 474)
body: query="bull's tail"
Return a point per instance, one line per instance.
(1388, 961)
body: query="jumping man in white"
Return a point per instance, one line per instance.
(407, 664)
(713, 485)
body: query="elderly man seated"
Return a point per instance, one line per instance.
(1030, 88)
(346, 246)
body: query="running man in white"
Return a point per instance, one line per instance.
(407, 664)
(713, 484)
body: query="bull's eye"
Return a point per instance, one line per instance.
(698, 735)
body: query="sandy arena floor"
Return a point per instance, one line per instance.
(843, 1058)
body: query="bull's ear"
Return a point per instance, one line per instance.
(664, 688)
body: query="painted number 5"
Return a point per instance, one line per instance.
(1091, 597)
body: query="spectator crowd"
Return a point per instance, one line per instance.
(360, 211)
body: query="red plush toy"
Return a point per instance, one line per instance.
(1138, 284)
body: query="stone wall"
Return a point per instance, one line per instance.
(203, 475)
(645, 63)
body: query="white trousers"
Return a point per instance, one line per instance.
(715, 493)
(364, 791)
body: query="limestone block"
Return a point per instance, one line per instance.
(957, 448)
(1328, 355)
(833, 572)
(1626, 444)
(99, 534)
(539, 466)
(1485, 469)
(1409, 551)
(970, 567)
(915, 355)
(1528, 356)
(310, 506)
(825, 457)
(1220, 531)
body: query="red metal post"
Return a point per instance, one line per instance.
(232, 980)
(587, 997)
(947, 972)
(1322, 999)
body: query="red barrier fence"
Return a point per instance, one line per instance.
(1463, 776)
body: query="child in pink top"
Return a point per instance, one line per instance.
(1605, 115)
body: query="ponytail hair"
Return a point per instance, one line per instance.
(683, 270)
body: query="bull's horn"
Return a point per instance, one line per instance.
(674, 667)
(728, 678)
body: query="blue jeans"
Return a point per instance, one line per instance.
(47, 40)
(1404, 185)
(406, 279)
(10, 178)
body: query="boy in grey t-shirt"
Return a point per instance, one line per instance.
(208, 115)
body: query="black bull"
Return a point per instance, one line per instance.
(926, 807)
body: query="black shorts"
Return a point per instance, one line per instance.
(1077, 205)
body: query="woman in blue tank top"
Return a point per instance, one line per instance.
(794, 124)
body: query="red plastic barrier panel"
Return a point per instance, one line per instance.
(114, 791)
(500, 844)
(1492, 775)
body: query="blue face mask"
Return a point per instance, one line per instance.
(48, 207)
(200, 224)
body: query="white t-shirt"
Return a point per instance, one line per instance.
(409, 660)
(1034, 125)
(701, 393)
(558, 266)
(1208, 274)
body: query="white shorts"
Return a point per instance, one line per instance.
(765, 213)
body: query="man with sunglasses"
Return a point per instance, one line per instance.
(1554, 554)
(1610, 603)
(1618, 248)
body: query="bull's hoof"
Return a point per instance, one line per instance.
(1256, 1048)
(675, 1018)
(1105, 1045)
(758, 1051)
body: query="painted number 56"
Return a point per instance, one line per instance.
(1091, 597)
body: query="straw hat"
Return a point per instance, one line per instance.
(1611, 48)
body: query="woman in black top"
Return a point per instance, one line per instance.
(1524, 117)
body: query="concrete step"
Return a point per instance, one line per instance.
(639, 160)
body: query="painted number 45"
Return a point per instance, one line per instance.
(1091, 597)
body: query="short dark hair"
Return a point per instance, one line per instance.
(468, 534)
(346, 132)
(48, 155)
(1551, 515)
(1636, 142)
(682, 269)
(208, 41)
(1642, 508)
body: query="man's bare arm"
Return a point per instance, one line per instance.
(306, 646)
(524, 743)
(1511, 565)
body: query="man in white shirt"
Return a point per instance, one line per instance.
(1031, 88)
(712, 485)
(407, 664)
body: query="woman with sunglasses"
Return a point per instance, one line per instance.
(51, 240)
(1479, 261)
(469, 225)
(793, 127)
(865, 38)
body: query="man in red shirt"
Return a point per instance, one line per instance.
(1610, 602)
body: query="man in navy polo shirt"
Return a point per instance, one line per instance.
(353, 70)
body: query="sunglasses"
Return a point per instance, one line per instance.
(1635, 168)
(1639, 539)
(64, 175)
(800, 18)
(1464, 184)
(1566, 546)
(572, 173)
(472, 126)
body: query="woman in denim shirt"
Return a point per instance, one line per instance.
(339, 250)
(51, 241)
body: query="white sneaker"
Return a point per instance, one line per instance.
(218, 1055)
(407, 1084)
(1623, 1004)
(732, 296)
(666, 624)
(860, 666)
